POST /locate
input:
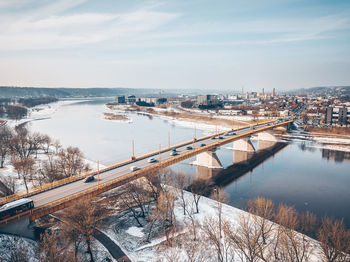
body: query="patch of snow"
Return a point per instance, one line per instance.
(135, 231)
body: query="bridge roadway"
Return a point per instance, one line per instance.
(43, 198)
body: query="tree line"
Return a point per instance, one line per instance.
(18, 108)
(20, 148)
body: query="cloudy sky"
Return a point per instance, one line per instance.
(202, 44)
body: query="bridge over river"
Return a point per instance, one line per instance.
(52, 197)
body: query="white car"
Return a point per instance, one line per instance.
(151, 160)
(134, 168)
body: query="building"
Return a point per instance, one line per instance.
(121, 99)
(328, 117)
(207, 100)
(131, 99)
(337, 115)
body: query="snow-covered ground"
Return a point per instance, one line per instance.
(9, 243)
(41, 112)
(132, 239)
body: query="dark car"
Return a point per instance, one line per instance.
(189, 148)
(203, 144)
(174, 149)
(234, 133)
(220, 137)
(89, 179)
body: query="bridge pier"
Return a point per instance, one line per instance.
(207, 159)
(22, 228)
(240, 157)
(243, 144)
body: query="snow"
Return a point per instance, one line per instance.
(133, 241)
(42, 112)
(8, 243)
(135, 231)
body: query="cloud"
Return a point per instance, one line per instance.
(72, 30)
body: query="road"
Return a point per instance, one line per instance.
(77, 186)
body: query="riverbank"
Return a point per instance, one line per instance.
(123, 230)
(332, 131)
(199, 120)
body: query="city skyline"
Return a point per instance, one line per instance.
(167, 45)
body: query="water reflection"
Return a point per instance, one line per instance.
(336, 156)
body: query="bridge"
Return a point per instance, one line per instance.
(54, 196)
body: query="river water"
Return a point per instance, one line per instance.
(298, 173)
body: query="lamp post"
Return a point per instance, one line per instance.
(98, 172)
(133, 150)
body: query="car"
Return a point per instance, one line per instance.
(89, 179)
(234, 133)
(189, 148)
(203, 144)
(174, 153)
(134, 168)
(227, 134)
(174, 149)
(213, 137)
(151, 160)
(221, 137)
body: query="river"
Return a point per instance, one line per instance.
(298, 173)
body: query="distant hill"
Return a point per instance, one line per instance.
(12, 92)
(61, 92)
(323, 90)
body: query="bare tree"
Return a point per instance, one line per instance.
(19, 251)
(198, 187)
(6, 135)
(73, 236)
(53, 249)
(164, 210)
(292, 245)
(71, 161)
(50, 169)
(8, 185)
(221, 245)
(181, 183)
(308, 223)
(57, 146)
(85, 216)
(136, 199)
(46, 142)
(334, 240)
(25, 169)
(264, 208)
(245, 238)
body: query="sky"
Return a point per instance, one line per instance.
(187, 44)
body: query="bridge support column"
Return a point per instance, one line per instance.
(266, 140)
(208, 159)
(267, 136)
(243, 144)
(280, 129)
(240, 157)
(22, 228)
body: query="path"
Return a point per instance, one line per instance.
(113, 249)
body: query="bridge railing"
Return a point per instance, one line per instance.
(77, 177)
(66, 201)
